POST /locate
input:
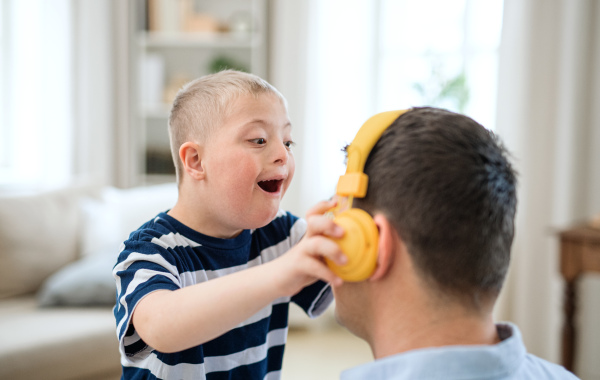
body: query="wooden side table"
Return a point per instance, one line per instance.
(579, 253)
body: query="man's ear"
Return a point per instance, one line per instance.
(190, 155)
(388, 241)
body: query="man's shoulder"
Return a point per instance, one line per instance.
(530, 366)
(543, 369)
(507, 359)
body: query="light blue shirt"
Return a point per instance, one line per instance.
(505, 360)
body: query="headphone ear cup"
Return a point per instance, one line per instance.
(359, 244)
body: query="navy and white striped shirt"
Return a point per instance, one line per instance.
(165, 254)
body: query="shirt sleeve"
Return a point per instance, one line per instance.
(142, 268)
(314, 299)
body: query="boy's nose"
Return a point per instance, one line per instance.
(281, 154)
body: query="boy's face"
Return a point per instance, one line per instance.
(249, 164)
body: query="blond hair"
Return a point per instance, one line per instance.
(202, 105)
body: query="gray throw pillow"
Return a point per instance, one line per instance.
(86, 282)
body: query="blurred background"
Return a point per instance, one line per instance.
(86, 86)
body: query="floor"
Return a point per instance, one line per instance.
(321, 351)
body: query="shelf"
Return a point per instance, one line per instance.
(206, 40)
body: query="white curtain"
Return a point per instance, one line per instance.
(95, 132)
(59, 93)
(322, 60)
(549, 117)
(288, 50)
(37, 93)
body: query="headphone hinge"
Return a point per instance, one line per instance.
(353, 184)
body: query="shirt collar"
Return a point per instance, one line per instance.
(477, 361)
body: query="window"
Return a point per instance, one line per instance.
(36, 111)
(367, 56)
(441, 53)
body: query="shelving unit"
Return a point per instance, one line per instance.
(175, 41)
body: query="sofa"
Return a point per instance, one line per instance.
(57, 250)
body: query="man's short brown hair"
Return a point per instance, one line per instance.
(446, 185)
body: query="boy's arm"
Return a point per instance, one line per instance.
(172, 321)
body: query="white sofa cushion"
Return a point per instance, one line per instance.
(38, 235)
(108, 220)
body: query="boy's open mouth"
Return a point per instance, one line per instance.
(270, 186)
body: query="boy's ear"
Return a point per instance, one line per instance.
(190, 155)
(388, 243)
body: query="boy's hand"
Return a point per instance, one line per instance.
(246, 291)
(305, 262)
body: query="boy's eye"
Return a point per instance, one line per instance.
(289, 144)
(259, 141)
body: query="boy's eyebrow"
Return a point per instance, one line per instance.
(261, 121)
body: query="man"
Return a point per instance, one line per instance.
(442, 194)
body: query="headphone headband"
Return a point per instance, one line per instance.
(354, 182)
(361, 238)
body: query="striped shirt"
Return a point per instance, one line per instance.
(165, 254)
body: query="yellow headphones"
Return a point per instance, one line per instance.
(360, 241)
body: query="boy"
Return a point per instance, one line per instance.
(203, 289)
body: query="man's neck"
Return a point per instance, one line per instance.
(418, 326)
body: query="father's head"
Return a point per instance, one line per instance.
(443, 185)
